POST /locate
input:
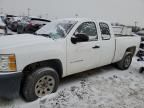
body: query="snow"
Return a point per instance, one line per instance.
(105, 87)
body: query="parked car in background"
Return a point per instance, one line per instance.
(3, 29)
(35, 63)
(24, 24)
(141, 48)
(141, 33)
(30, 25)
(12, 22)
(122, 30)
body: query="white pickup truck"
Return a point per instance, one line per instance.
(32, 65)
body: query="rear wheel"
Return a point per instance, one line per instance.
(40, 83)
(125, 62)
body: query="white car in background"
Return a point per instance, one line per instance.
(122, 30)
(2, 27)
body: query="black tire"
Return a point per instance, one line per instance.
(141, 70)
(125, 62)
(28, 90)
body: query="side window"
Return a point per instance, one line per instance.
(88, 28)
(105, 31)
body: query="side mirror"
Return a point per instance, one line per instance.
(79, 38)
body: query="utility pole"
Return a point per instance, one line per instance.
(28, 10)
(136, 28)
(136, 23)
(76, 15)
(1, 10)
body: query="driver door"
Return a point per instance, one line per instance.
(83, 55)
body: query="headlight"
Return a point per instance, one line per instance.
(7, 63)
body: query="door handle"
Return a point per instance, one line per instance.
(96, 47)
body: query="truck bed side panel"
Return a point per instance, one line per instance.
(123, 43)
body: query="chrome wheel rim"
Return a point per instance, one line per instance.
(44, 86)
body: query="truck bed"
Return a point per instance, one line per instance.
(122, 43)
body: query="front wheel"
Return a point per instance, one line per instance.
(125, 62)
(40, 83)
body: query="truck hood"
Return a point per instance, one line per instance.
(12, 41)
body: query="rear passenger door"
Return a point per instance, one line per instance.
(107, 44)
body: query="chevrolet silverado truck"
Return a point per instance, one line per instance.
(32, 65)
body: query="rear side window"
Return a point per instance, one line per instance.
(105, 31)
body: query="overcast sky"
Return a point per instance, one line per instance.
(123, 11)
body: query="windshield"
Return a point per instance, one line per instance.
(56, 29)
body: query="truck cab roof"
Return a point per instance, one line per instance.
(84, 20)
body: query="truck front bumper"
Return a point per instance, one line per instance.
(10, 85)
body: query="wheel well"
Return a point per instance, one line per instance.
(131, 49)
(54, 63)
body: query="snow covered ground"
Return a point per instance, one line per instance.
(105, 87)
